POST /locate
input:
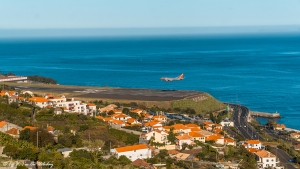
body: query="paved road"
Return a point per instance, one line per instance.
(283, 158)
(240, 116)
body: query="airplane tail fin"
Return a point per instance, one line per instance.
(181, 76)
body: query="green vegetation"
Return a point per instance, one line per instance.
(207, 105)
(41, 79)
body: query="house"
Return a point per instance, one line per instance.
(40, 101)
(140, 151)
(73, 106)
(280, 127)
(297, 147)
(14, 132)
(253, 144)
(58, 111)
(55, 99)
(217, 138)
(64, 151)
(31, 128)
(91, 108)
(132, 121)
(295, 135)
(160, 118)
(226, 122)
(141, 164)
(229, 141)
(108, 108)
(117, 123)
(6, 126)
(265, 159)
(197, 136)
(158, 136)
(51, 129)
(180, 128)
(120, 116)
(183, 139)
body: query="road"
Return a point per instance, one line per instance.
(240, 115)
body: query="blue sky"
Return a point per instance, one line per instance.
(62, 14)
(151, 13)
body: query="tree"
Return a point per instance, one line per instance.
(123, 160)
(28, 153)
(11, 151)
(125, 111)
(184, 146)
(172, 136)
(42, 137)
(25, 135)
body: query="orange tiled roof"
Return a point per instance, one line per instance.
(131, 148)
(130, 120)
(136, 110)
(118, 122)
(91, 104)
(107, 119)
(217, 130)
(252, 142)
(2, 123)
(214, 137)
(179, 126)
(228, 140)
(184, 137)
(195, 129)
(192, 125)
(151, 123)
(100, 117)
(264, 153)
(38, 99)
(195, 134)
(208, 123)
(50, 128)
(252, 150)
(13, 131)
(159, 117)
(29, 127)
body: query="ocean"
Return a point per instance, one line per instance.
(259, 71)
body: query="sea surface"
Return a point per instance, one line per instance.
(261, 72)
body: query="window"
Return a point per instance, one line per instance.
(267, 160)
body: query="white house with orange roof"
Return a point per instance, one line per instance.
(217, 138)
(5, 126)
(295, 135)
(280, 127)
(117, 123)
(14, 132)
(138, 111)
(253, 144)
(51, 129)
(229, 141)
(197, 136)
(133, 121)
(160, 118)
(55, 99)
(182, 139)
(121, 116)
(265, 159)
(140, 151)
(8, 93)
(40, 101)
(180, 128)
(108, 108)
(159, 136)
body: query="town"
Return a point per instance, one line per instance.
(39, 130)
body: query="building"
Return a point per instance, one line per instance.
(265, 159)
(183, 139)
(40, 102)
(253, 144)
(158, 136)
(140, 151)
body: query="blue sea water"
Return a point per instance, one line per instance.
(259, 71)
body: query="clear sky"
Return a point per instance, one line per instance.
(142, 13)
(60, 14)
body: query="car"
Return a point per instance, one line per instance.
(293, 160)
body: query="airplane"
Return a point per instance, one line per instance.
(169, 79)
